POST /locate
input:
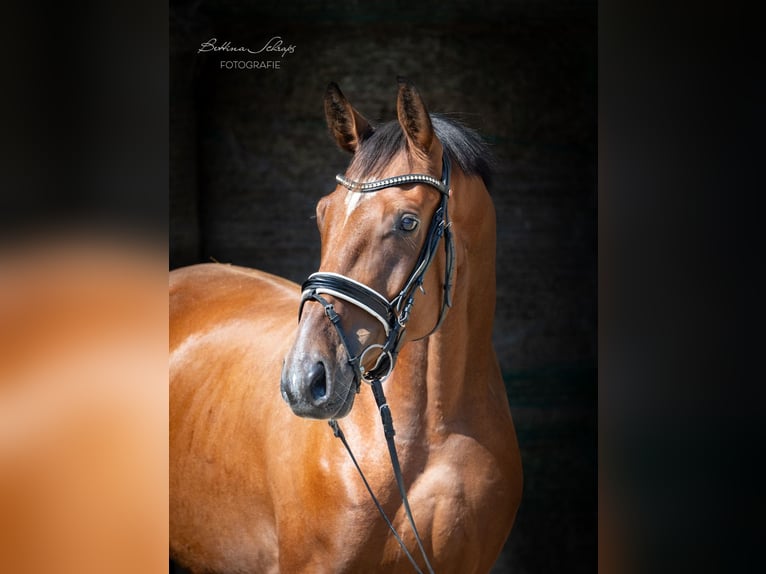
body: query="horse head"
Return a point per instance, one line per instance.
(380, 229)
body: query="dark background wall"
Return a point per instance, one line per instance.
(250, 156)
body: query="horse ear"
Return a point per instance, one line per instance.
(347, 126)
(413, 116)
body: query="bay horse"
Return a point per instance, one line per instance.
(255, 488)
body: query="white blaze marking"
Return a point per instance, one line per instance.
(352, 201)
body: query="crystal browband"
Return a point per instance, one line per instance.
(442, 186)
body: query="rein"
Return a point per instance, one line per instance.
(389, 432)
(393, 315)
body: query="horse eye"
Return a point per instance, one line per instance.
(408, 223)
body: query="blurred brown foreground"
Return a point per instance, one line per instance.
(83, 405)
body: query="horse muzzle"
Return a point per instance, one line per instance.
(315, 384)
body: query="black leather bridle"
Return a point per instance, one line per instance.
(393, 314)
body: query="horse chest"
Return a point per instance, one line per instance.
(452, 499)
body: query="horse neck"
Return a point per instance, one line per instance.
(455, 369)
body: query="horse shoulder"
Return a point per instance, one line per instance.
(469, 492)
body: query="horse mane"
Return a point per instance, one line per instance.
(464, 145)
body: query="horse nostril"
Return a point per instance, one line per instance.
(318, 382)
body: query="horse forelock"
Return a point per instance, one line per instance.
(464, 145)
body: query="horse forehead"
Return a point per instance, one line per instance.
(378, 202)
(353, 199)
